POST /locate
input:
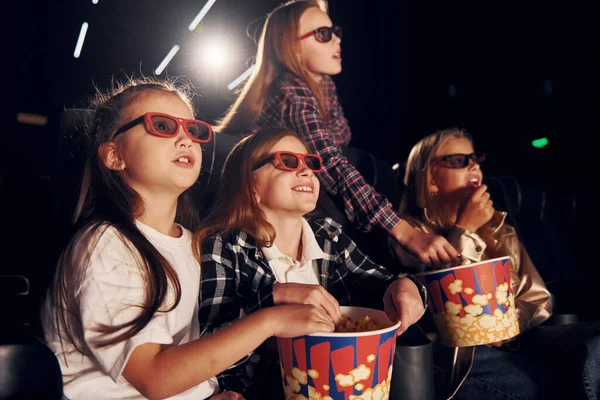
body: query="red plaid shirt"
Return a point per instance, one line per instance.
(293, 106)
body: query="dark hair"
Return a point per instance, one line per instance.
(235, 207)
(106, 201)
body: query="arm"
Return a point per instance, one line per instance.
(404, 297)
(362, 204)
(532, 298)
(159, 372)
(370, 274)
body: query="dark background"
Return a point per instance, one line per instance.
(506, 72)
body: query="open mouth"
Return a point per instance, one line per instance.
(185, 161)
(475, 182)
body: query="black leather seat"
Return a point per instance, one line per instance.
(28, 368)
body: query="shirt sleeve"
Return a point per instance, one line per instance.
(225, 289)
(112, 294)
(337, 117)
(370, 274)
(362, 204)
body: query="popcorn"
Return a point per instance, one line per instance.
(452, 308)
(300, 376)
(364, 324)
(456, 286)
(344, 380)
(293, 383)
(474, 309)
(471, 324)
(361, 373)
(479, 299)
(313, 374)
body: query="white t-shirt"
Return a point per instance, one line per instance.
(287, 270)
(113, 281)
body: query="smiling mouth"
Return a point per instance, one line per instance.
(304, 189)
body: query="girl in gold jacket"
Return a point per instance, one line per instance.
(444, 194)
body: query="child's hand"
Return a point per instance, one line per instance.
(293, 320)
(301, 293)
(476, 210)
(228, 395)
(430, 249)
(402, 301)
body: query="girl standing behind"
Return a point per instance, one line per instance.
(119, 315)
(291, 86)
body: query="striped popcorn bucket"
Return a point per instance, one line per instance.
(340, 365)
(472, 304)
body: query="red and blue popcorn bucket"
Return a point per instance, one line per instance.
(473, 304)
(340, 365)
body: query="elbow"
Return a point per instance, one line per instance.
(152, 388)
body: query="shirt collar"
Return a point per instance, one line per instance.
(310, 247)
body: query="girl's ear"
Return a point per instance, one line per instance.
(432, 187)
(256, 197)
(110, 156)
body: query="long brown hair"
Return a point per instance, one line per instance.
(418, 204)
(235, 207)
(106, 201)
(278, 52)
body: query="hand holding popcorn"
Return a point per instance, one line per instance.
(402, 301)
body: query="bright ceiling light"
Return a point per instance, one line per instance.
(215, 56)
(163, 64)
(201, 15)
(80, 40)
(241, 78)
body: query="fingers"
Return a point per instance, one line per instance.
(479, 192)
(451, 251)
(389, 307)
(444, 256)
(409, 310)
(299, 293)
(330, 305)
(320, 321)
(432, 260)
(442, 252)
(402, 302)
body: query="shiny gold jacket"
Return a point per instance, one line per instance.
(494, 239)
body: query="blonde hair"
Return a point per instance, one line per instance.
(418, 204)
(278, 49)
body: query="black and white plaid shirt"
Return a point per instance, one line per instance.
(236, 276)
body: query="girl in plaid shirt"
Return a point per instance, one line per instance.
(291, 86)
(258, 250)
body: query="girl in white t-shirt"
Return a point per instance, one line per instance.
(121, 313)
